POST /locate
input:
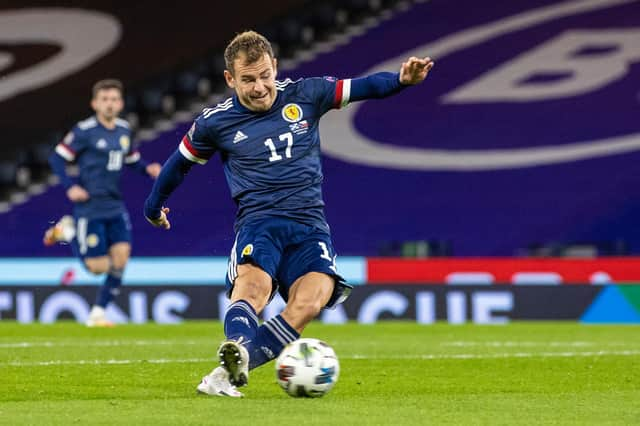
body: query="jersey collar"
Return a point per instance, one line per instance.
(238, 105)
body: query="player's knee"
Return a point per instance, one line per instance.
(119, 255)
(119, 262)
(253, 291)
(96, 267)
(304, 310)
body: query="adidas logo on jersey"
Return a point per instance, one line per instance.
(239, 137)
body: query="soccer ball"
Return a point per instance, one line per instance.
(307, 368)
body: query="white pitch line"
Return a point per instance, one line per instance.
(105, 362)
(104, 343)
(353, 357)
(506, 355)
(516, 343)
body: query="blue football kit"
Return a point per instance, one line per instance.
(271, 160)
(272, 165)
(100, 154)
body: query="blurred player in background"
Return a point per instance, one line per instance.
(100, 229)
(267, 137)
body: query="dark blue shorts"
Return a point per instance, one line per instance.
(95, 236)
(286, 250)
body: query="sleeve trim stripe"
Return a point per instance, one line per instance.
(186, 153)
(65, 152)
(337, 100)
(132, 158)
(346, 93)
(186, 140)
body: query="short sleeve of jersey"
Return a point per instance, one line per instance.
(327, 92)
(72, 144)
(198, 145)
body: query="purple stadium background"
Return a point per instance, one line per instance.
(480, 213)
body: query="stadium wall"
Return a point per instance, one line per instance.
(482, 291)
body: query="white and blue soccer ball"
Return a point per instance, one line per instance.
(307, 368)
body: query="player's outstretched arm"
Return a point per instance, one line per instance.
(171, 176)
(383, 84)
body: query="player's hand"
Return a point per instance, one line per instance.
(154, 169)
(162, 221)
(77, 194)
(415, 70)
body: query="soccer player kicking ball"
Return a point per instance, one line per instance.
(100, 233)
(267, 137)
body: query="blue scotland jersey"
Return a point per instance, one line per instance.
(271, 159)
(100, 154)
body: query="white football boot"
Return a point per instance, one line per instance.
(235, 359)
(63, 231)
(217, 383)
(98, 318)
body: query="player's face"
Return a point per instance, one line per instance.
(255, 84)
(107, 104)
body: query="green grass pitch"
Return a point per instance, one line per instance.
(393, 373)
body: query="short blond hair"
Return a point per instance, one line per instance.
(251, 44)
(109, 83)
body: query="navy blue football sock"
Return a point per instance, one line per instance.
(270, 340)
(240, 321)
(110, 288)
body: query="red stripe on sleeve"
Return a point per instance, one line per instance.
(67, 148)
(190, 148)
(337, 100)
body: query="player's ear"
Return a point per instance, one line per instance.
(274, 61)
(93, 103)
(229, 79)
